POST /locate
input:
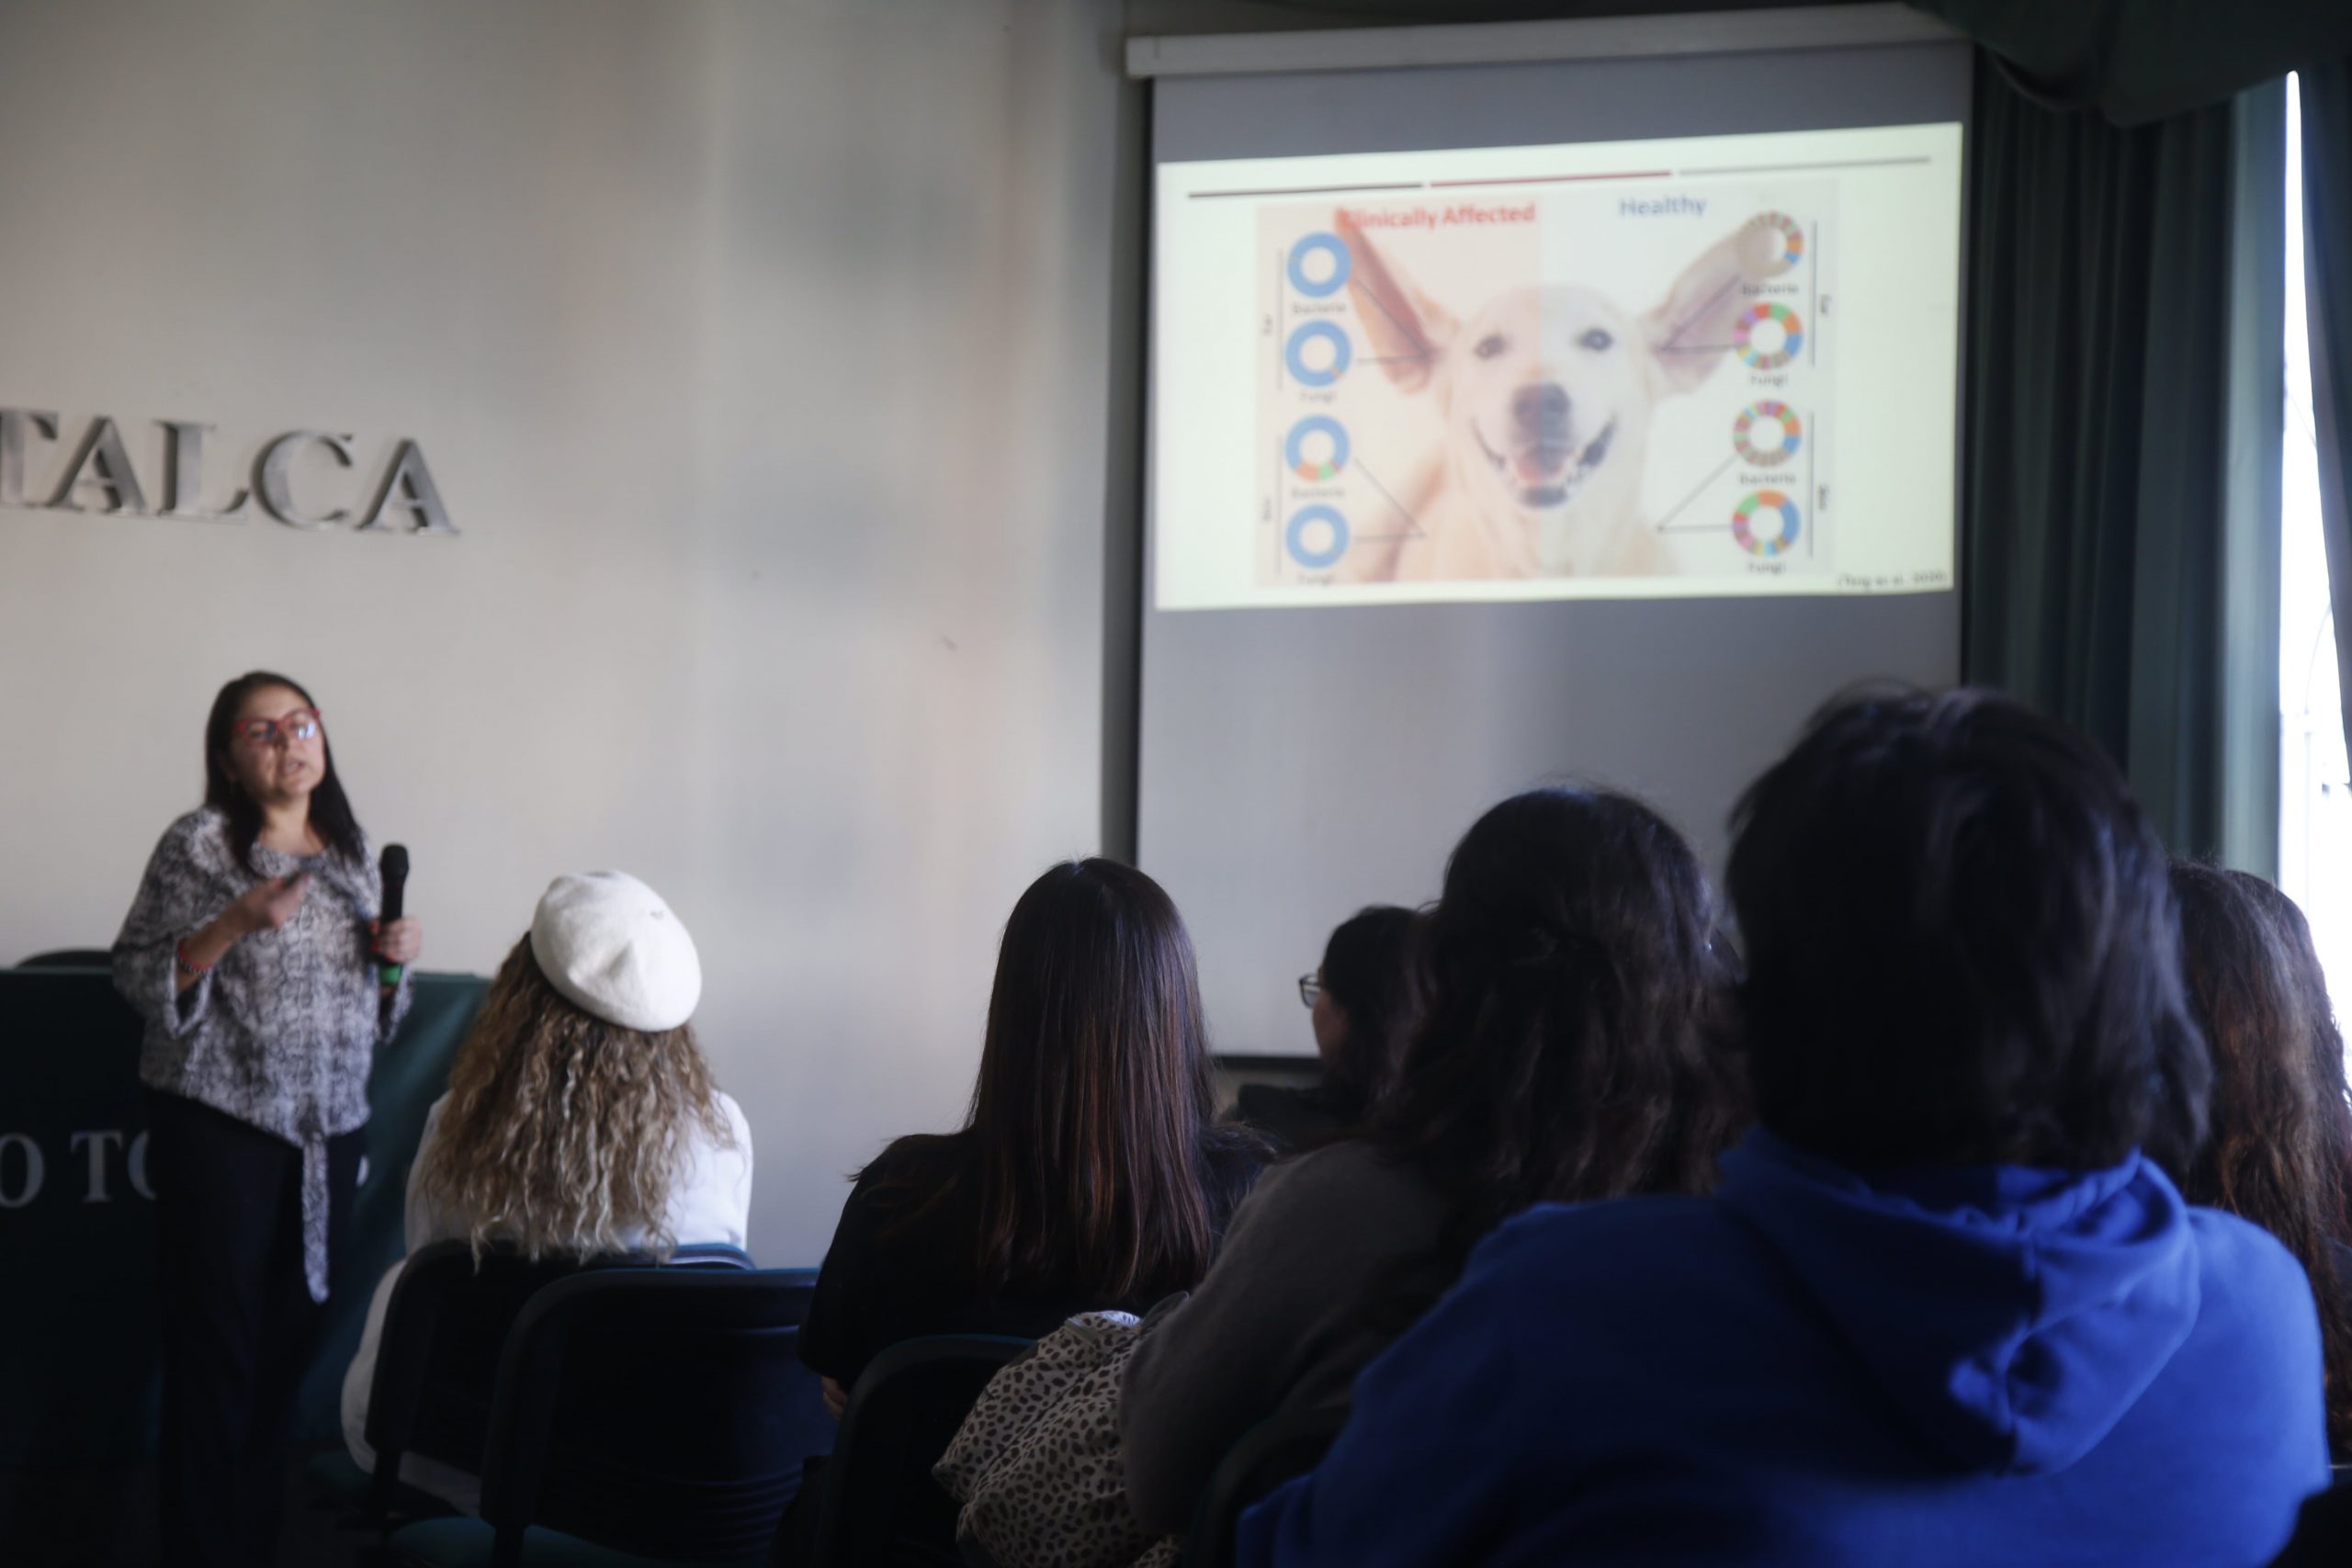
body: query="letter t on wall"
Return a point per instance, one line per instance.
(12, 449)
(100, 1142)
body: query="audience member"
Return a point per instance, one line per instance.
(580, 1119)
(1362, 1006)
(1091, 1172)
(1570, 978)
(1941, 1310)
(2279, 1146)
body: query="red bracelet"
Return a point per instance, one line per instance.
(187, 966)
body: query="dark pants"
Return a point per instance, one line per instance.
(239, 1323)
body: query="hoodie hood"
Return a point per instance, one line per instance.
(2012, 1315)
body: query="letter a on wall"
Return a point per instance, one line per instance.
(102, 462)
(408, 486)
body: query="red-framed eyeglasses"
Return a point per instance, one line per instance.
(302, 724)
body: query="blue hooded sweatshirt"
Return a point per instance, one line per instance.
(1926, 1368)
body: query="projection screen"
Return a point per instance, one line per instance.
(1582, 418)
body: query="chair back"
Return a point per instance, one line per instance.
(70, 958)
(436, 1359)
(1270, 1453)
(445, 1331)
(663, 1412)
(881, 1507)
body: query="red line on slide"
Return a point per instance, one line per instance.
(1563, 179)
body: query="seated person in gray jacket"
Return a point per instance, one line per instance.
(1571, 979)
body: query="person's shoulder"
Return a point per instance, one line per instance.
(2252, 1367)
(1345, 1201)
(2245, 1267)
(1634, 1282)
(201, 834)
(918, 1166)
(918, 1197)
(728, 1158)
(2228, 1247)
(1624, 1241)
(1353, 1171)
(1230, 1148)
(429, 1133)
(1232, 1158)
(1293, 1119)
(737, 1122)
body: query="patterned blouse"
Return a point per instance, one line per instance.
(282, 1031)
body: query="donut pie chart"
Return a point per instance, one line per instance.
(1769, 322)
(1771, 243)
(1767, 434)
(1295, 354)
(1766, 524)
(1332, 453)
(1299, 536)
(1302, 253)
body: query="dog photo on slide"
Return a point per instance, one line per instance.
(1593, 384)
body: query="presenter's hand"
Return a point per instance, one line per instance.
(836, 1399)
(398, 942)
(267, 906)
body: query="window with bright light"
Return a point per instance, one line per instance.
(2315, 816)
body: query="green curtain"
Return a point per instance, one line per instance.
(2327, 285)
(2095, 485)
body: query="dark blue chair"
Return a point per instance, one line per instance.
(1270, 1453)
(880, 1508)
(436, 1364)
(642, 1415)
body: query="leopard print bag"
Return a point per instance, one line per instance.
(1037, 1465)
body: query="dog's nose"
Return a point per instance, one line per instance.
(1542, 406)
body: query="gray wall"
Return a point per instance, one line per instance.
(761, 351)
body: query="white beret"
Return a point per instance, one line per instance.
(614, 949)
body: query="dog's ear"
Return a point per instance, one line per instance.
(1690, 330)
(1407, 329)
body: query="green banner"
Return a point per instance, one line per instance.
(77, 1252)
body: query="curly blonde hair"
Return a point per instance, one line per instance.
(564, 1134)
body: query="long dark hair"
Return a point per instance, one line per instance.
(1102, 1170)
(1369, 971)
(2278, 1135)
(330, 807)
(1573, 985)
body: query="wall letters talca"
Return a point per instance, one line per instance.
(99, 474)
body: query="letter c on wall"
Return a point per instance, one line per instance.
(273, 477)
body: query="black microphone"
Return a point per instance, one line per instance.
(394, 868)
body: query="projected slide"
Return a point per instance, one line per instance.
(1722, 364)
